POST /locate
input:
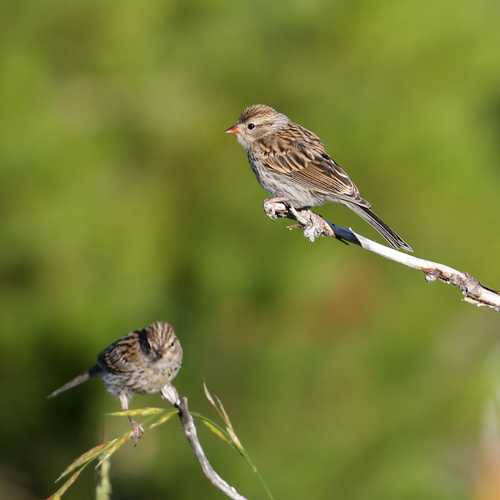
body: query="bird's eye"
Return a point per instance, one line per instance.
(250, 126)
(172, 343)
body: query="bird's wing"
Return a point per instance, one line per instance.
(120, 356)
(308, 164)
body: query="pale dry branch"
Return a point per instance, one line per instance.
(169, 393)
(314, 225)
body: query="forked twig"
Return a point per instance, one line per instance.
(102, 452)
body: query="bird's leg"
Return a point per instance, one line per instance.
(269, 206)
(137, 429)
(169, 392)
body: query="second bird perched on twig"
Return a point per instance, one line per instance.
(143, 362)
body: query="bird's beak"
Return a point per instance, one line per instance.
(233, 130)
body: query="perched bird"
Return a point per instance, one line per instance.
(142, 362)
(291, 164)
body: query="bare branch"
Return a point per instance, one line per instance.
(190, 431)
(314, 225)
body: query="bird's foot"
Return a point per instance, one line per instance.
(311, 223)
(269, 206)
(137, 430)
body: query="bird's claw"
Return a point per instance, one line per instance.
(137, 430)
(269, 206)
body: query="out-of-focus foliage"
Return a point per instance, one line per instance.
(123, 202)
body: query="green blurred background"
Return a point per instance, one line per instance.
(123, 202)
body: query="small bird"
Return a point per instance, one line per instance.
(143, 362)
(291, 163)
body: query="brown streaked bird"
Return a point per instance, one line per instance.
(292, 165)
(143, 362)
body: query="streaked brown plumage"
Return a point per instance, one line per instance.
(291, 164)
(142, 362)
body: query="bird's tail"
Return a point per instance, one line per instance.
(77, 381)
(390, 235)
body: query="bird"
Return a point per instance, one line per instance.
(144, 361)
(292, 165)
